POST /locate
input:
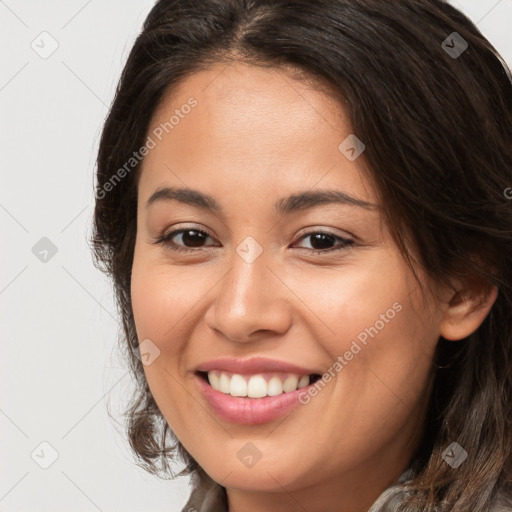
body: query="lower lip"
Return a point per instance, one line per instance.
(249, 411)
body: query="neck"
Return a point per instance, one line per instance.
(353, 492)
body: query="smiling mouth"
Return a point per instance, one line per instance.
(260, 385)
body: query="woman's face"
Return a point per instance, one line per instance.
(254, 140)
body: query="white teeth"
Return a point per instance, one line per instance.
(255, 386)
(303, 381)
(224, 381)
(238, 386)
(274, 386)
(214, 380)
(290, 384)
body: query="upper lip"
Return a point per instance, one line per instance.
(252, 366)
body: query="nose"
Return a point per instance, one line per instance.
(249, 302)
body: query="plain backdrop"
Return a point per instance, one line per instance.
(59, 364)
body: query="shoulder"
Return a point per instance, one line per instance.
(391, 500)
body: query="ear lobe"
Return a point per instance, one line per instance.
(467, 309)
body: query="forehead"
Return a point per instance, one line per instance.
(250, 126)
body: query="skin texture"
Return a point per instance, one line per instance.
(257, 135)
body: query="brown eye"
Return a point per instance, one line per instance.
(322, 242)
(190, 237)
(186, 240)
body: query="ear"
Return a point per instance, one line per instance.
(467, 307)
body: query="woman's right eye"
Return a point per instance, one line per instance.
(188, 236)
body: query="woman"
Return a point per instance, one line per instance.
(303, 208)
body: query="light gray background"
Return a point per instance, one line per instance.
(59, 366)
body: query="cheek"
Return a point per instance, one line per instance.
(167, 304)
(154, 302)
(160, 301)
(377, 300)
(380, 360)
(162, 297)
(382, 340)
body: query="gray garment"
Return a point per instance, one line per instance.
(389, 500)
(209, 496)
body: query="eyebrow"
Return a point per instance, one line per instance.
(284, 206)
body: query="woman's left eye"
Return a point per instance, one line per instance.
(196, 237)
(321, 239)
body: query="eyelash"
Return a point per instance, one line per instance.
(164, 241)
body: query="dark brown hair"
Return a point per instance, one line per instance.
(438, 133)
